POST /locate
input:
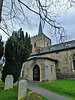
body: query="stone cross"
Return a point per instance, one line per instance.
(22, 88)
(8, 82)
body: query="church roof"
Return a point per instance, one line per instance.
(42, 57)
(40, 29)
(64, 49)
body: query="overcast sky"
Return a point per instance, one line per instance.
(67, 18)
(69, 22)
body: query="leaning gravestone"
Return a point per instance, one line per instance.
(8, 82)
(32, 96)
(22, 87)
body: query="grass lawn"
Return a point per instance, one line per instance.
(0, 75)
(62, 87)
(1, 83)
(12, 93)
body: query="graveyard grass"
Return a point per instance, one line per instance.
(12, 93)
(62, 87)
(0, 74)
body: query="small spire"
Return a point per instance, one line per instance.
(40, 29)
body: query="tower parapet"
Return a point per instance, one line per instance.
(39, 41)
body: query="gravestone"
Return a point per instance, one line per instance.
(32, 96)
(22, 88)
(8, 82)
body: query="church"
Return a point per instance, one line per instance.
(49, 62)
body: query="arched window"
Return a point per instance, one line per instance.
(52, 69)
(74, 61)
(34, 45)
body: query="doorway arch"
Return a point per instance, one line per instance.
(36, 73)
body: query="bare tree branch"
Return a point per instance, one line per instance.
(13, 12)
(4, 31)
(1, 3)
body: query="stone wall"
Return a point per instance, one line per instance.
(42, 63)
(41, 41)
(64, 66)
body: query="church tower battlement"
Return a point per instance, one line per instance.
(39, 41)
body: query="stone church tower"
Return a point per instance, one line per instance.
(39, 41)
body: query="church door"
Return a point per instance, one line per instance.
(36, 73)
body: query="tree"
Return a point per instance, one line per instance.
(17, 50)
(15, 11)
(1, 3)
(1, 48)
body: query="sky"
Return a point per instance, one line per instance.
(67, 18)
(69, 23)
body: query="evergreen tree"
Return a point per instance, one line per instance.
(1, 48)
(17, 50)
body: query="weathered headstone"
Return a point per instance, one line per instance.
(32, 96)
(8, 82)
(22, 88)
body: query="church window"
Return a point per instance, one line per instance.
(52, 69)
(34, 45)
(47, 44)
(38, 51)
(74, 61)
(57, 52)
(53, 48)
(46, 72)
(67, 46)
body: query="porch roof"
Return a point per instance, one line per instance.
(42, 57)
